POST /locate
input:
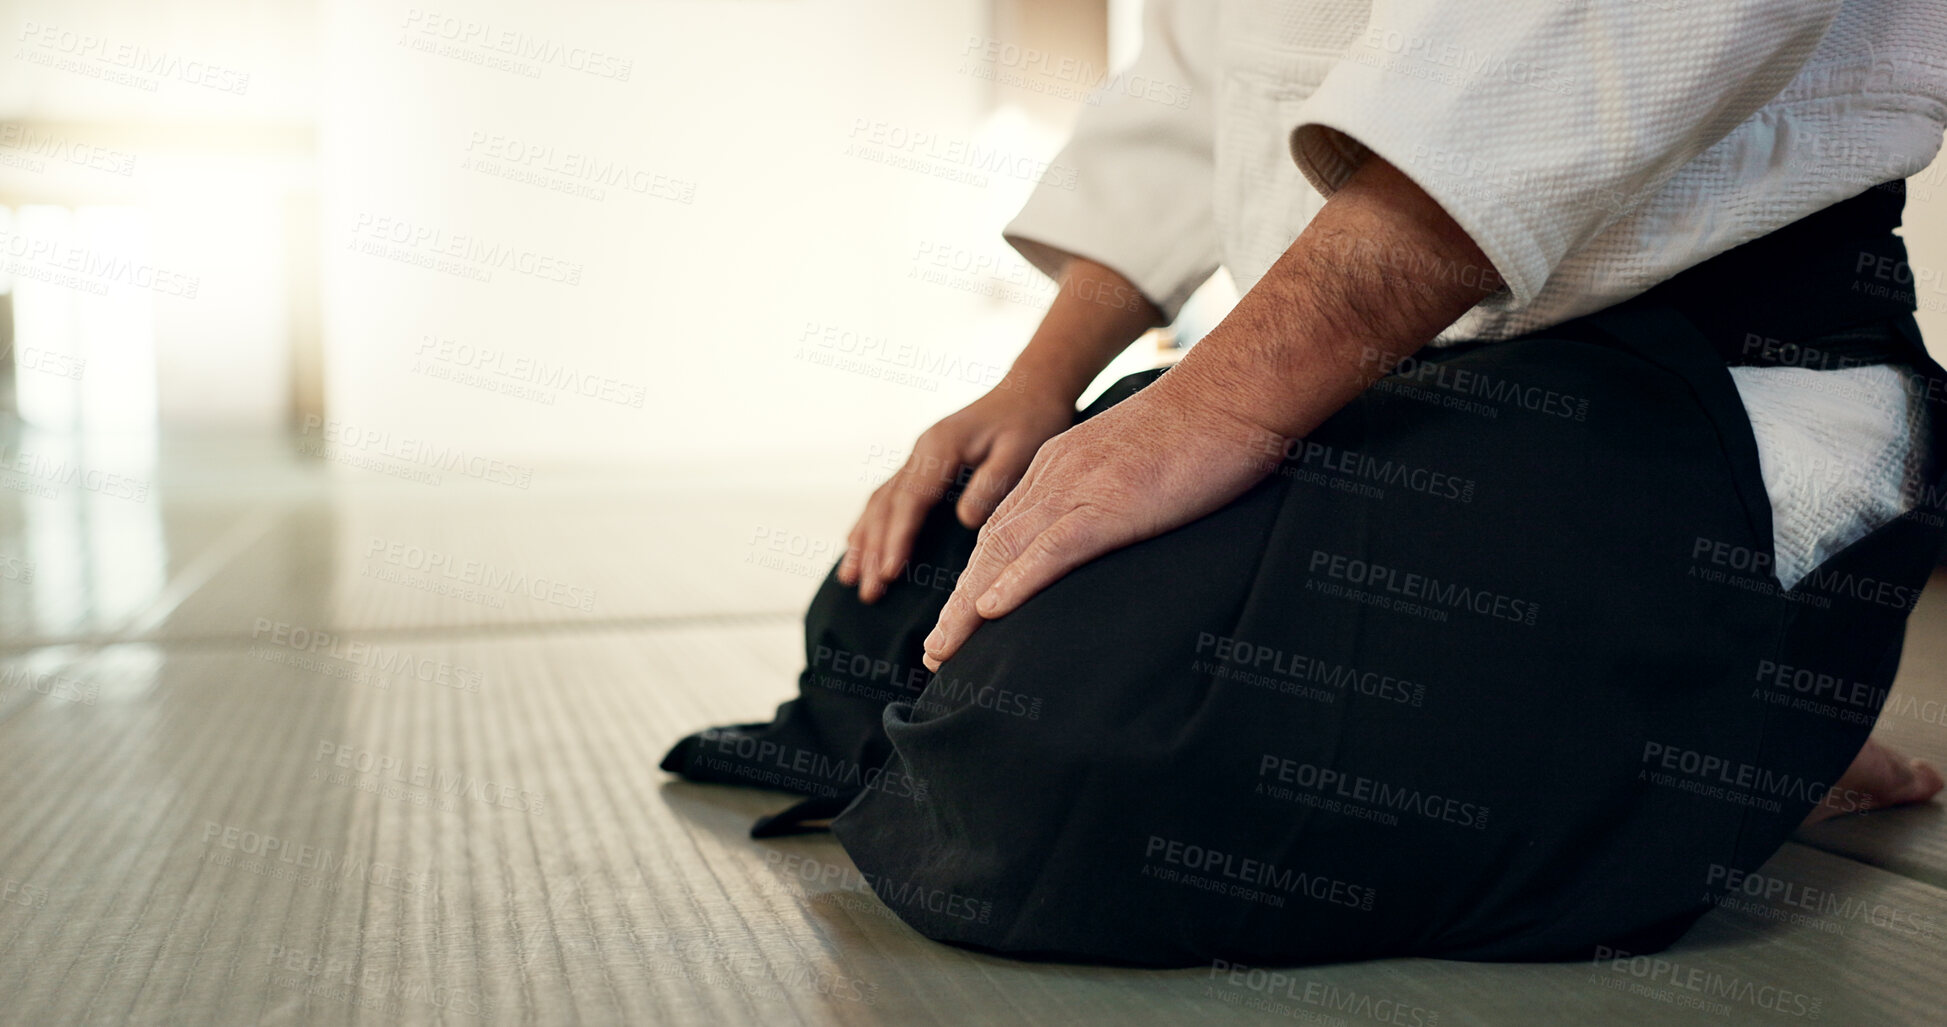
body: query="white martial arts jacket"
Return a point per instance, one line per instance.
(1591, 148)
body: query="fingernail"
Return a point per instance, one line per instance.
(988, 601)
(932, 641)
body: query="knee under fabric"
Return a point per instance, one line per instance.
(828, 743)
(1493, 667)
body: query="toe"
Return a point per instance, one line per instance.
(1925, 783)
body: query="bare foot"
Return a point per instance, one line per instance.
(1878, 778)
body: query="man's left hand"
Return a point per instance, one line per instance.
(1155, 461)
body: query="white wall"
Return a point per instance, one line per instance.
(196, 117)
(703, 304)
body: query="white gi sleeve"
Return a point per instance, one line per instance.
(1141, 200)
(1538, 123)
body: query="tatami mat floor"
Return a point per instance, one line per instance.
(469, 825)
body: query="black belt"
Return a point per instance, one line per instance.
(1829, 291)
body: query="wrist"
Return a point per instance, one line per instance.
(1212, 414)
(1095, 315)
(1045, 383)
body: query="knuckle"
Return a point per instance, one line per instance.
(1001, 544)
(914, 489)
(1050, 546)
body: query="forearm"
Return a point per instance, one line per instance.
(1381, 269)
(1096, 314)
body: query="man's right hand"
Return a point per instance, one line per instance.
(996, 436)
(1096, 313)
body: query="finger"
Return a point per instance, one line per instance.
(1001, 541)
(1072, 540)
(848, 565)
(902, 526)
(1018, 497)
(907, 511)
(868, 533)
(871, 582)
(996, 476)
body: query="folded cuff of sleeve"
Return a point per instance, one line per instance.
(1356, 113)
(1047, 235)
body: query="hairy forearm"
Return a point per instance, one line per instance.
(1096, 314)
(1381, 270)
